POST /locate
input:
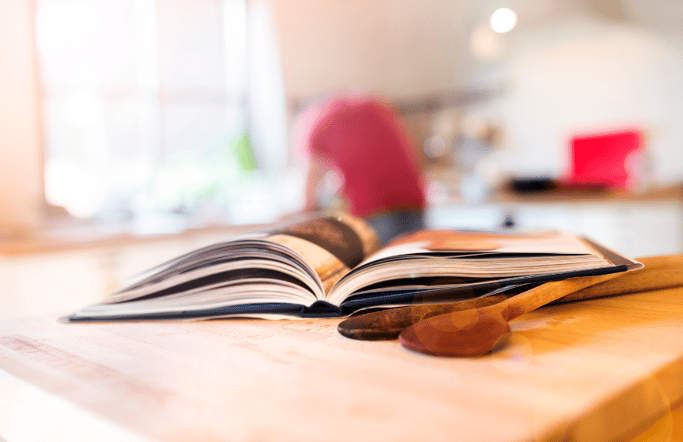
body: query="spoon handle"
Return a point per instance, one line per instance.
(660, 272)
(542, 295)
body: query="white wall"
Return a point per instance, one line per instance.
(579, 76)
(20, 159)
(394, 47)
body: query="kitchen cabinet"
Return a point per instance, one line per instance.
(61, 275)
(638, 225)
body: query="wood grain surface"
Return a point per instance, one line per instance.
(595, 370)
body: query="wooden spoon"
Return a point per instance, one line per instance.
(476, 331)
(389, 323)
(659, 272)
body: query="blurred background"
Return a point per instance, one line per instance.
(133, 130)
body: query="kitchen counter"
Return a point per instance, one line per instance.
(597, 370)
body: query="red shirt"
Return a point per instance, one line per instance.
(365, 141)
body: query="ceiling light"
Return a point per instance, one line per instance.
(503, 20)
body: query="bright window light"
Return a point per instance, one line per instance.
(503, 20)
(145, 108)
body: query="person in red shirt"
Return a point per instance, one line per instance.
(363, 139)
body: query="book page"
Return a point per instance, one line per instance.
(428, 241)
(332, 245)
(479, 257)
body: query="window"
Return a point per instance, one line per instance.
(144, 105)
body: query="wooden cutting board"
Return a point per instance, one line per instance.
(594, 370)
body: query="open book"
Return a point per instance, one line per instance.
(331, 266)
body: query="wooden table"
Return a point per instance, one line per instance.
(597, 370)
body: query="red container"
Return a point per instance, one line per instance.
(606, 160)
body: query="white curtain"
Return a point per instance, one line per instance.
(267, 108)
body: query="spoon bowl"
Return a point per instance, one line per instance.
(475, 331)
(473, 334)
